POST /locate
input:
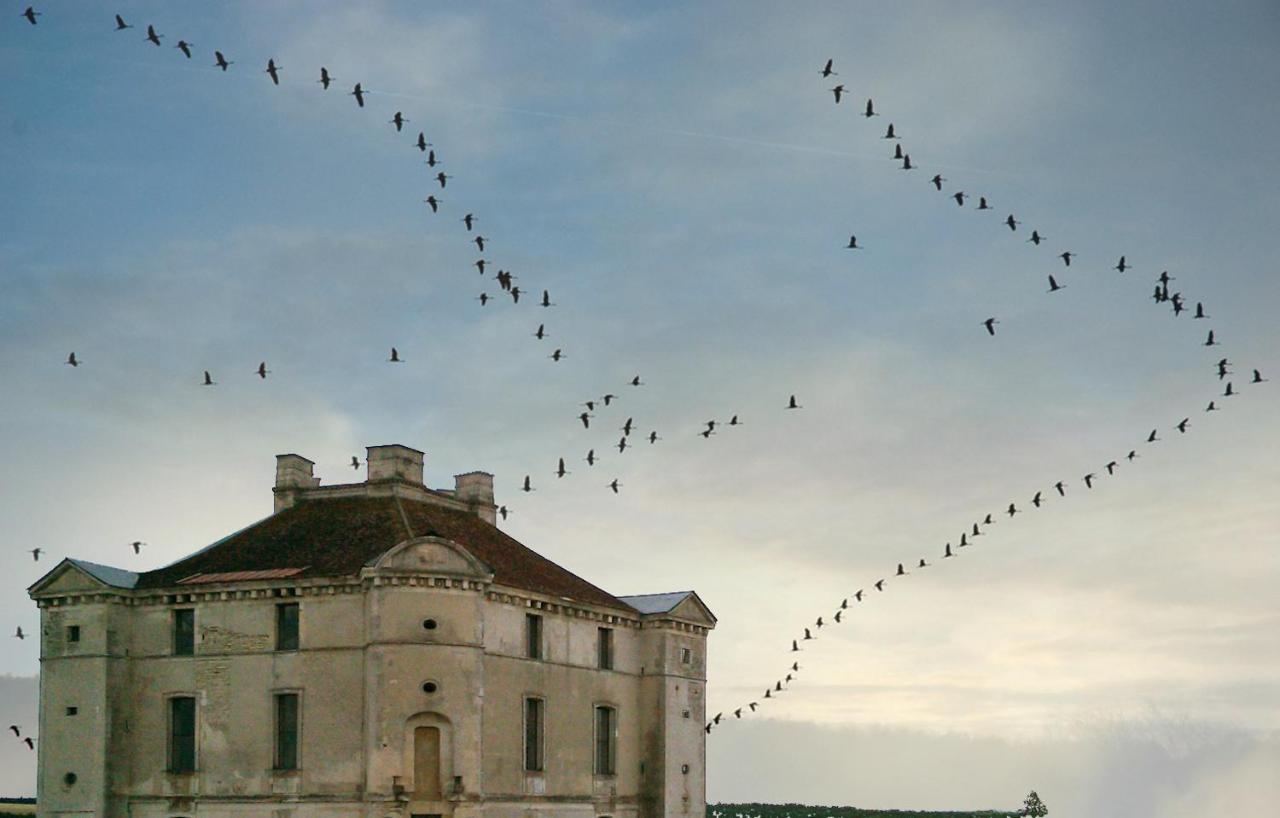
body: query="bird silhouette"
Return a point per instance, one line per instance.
(1151, 438)
(591, 457)
(902, 572)
(976, 532)
(870, 110)
(610, 398)
(432, 161)
(442, 177)
(634, 382)
(819, 622)
(1165, 278)
(889, 134)
(35, 554)
(1061, 487)
(31, 14)
(1054, 286)
(121, 25)
(807, 634)
(503, 511)
(19, 634)
(262, 370)
(879, 585)
(479, 242)
(1212, 407)
(964, 540)
(897, 151)
(422, 145)
(208, 379)
(1013, 509)
(434, 203)
(1036, 501)
(937, 181)
(733, 421)
(72, 361)
(1222, 368)
(1012, 223)
(982, 203)
(468, 219)
(1200, 313)
(1122, 266)
(273, 70)
(152, 36)
(184, 47)
(585, 417)
(358, 93)
(1088, 479)
(479, 265)
(483, 298)
(1229, 392)
(137, 545)
(853, 243)
(1210, 342)
(527, 486)
(515, 295)
(838, 90)
(858, 596)
(795, 647)
(988, 520)
(826, 70)
(626, 427)
(922, 564)
(395, 356)
(1132, 455)
(1182, 427)
(541, 333)
(17, 731)
(355, 462)
(221, 61)
(1066, 257)
(1036, 238)
(1257, 377)
(561, 471)
(792, 403)
(30, 742)
(990, 324)
(546, 299)
(398, 120)
(653, 437)
(557, 355)
(1111, 467)
(325, 79)
(959, 196)
(906, 162)
(948, 553)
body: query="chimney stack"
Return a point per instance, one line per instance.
(293, 472)
(476, 490)
(395, 462)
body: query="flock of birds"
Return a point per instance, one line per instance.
(505, 282)
(27, 740)
(1034, 500)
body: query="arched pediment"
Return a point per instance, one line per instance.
(432, 555)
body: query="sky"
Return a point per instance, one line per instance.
(680, 180)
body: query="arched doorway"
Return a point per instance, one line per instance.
(428, 763)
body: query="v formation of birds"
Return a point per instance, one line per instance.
(505, 280)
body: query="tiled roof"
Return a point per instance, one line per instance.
(115, 577)
(656, 603)
(240, 576)
(335, 537)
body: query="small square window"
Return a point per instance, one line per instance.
(71, 711)
(73, 633)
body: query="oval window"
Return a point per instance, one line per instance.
(429, 624)
(430, 687)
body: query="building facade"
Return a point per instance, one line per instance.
(370, 649)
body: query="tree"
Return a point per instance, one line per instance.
(1033, 807)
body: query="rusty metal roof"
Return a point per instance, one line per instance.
(240, 576)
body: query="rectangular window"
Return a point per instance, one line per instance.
(533, 634)
(73, 633)
(533, 735)
(286, 731)
(287, 626)
(184, 631)
(71, 711)
(604, 648)
(606, 725)
(182, 734)
(686, 656)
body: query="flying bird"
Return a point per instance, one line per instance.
(1222, 368)
(853, 244)
(184, 47)
(1036, 501)
(1211, 407)
(1200, 313)
(990, 324)
(959, 196)
(827, 71)
(838, 90)
(964, 540)
(922, 564)
(527, 485)
(557, 355)
(541, 333)
(1210, 342)
(546, 299)
(208, 379)
(1036, 238)
(626, 427)
(1054, 286)
(30, 742)
(432, 161)
(325, 79)
(1111, 467)
(31, 14)
(434, 202)
(35, 554)
(1088, 479)
(611, 398)
(358, 93)
(906, 162)
(1229, 392)
(262, 370)
(441, 177)
(870, 110)
(502, 510)
(136, 545)
(19, 634)
(1066, 257)
(221, 61)
(585, 417)
(1151, 438)
(422, 145)
(634, 382)
(792, 403)
(561, 471)
(1132, 455)
(1257, 377)
(1012, 223)
(395, 356)
(889, 134)
(1013, 509)
(355, 462)
(937, 180)
(398, 120)
(152, 36)
(483, 298)
(479, 243)
(982, 203)
(948, 553)
(1061, 487)
(902, 572)
(71, 360)
(1122, 265)
(653, 437)
(591, 457)
(121, 25)
(897, 151)
(1182, 427)
(468, 219)
(479, 265)
(273, 70)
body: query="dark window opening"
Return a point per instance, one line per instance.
(606, 724)
(429, 624)
(73, 633)
(533, 735)
(287, 626)
(184, 631)
(182, 734)
(69, 779)
(286, 731)
(533, 632)
(430, 687)
(71, 711)
(604, 648)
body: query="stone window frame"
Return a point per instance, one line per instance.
(611, 769)
(276, 693)
(541, 750)
(605, 648)
(173, 631)
(169, 735)
(535, 636)
(297, 632)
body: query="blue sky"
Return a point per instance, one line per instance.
(680, 180)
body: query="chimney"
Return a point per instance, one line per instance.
(293, 473)
(395, 462)
(476, 490)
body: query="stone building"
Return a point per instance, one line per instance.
(370, 649)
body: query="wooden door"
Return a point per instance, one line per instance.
(426, 763)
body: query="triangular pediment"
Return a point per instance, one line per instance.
(433, 555)
(693, 609)
(67, 577)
